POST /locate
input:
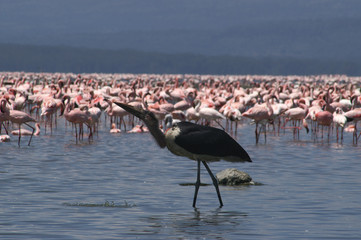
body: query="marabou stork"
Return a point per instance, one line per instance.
(200, 143)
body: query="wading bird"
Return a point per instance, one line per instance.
(354, 115)
(21, 117)
(200, 143)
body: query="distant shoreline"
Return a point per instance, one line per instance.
(32, 58)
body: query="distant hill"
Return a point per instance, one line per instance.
(79, 60)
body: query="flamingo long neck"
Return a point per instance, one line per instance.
(67, 110)
(304, 106)
(3, 108)
(110, 112)
(270, 109)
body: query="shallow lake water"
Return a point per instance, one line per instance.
(123, 186)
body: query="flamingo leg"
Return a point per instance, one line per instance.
(90, 137)
(322, 132)
(55, 121)
(31, 133)
(46, 123)
(76, 134)
(298, 129)
(265, 132)
(356, 132)
(328, 134)
(80, 131)
(337, 133)
(51, 123)
(215, 183)
(341, 134)
(256, 132)
(4, 128)
(125, 126)
(198, 182)
(19, 135)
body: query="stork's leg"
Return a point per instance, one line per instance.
(198, 183)
(31, 133)
(215, 183)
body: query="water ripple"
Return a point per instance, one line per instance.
(124, 186)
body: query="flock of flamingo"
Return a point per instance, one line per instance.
(273, 103)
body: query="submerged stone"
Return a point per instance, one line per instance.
(232, 177)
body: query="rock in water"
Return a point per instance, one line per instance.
(232, 177)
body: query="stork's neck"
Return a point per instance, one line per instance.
(158, 135)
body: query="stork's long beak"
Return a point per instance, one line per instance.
(139, 113)
(149, 119)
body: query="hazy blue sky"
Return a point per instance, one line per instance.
(305, 28)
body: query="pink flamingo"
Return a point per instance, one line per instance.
(21, 117)
(324, 118)
(139, 129)
(4, 138)
(232, 114)
(154, 108)
(340, 120)
(182, 105)
(77, 116)
(207, 113)
(114, 111)
(165, 106)
(312, 111)
(19, 101)
(191, 114)
(49, 108)
(177, 93)
(4, 114)
(354, 115)
(259, 113)
(297, 115)
(114, 129)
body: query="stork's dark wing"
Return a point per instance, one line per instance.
(211, 141)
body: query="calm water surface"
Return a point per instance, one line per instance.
(124, 186)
